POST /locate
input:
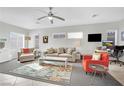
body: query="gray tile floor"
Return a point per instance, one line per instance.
(9, 80)
(117, 72)
(78, 77)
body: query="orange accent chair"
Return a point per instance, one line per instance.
(87, 60)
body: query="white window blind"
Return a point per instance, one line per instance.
(75, 35)
(16, 40)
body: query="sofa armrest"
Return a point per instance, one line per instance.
(74, 55)
(45, 52)
(19, 54)
(87, 57)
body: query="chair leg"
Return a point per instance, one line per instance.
(92, 73)
(120, 64)
(105, 74)
(102, 75)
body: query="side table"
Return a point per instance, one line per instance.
(98, 68)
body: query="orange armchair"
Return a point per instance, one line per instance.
(87, 60)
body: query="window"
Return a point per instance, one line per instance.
(75, 35)
(16, 40)
(59, 35)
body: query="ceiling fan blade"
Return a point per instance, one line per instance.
(59, 18)
(51, 21)
(42, 17)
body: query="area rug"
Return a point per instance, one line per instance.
(45, 71)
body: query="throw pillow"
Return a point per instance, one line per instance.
(65, 50)
(26, 50)
(31, 50)
(50, 50)
(69, 51)
(60, 50)
(96, 56)
(55, 50)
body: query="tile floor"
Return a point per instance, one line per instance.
(117, 72)
(9, 80)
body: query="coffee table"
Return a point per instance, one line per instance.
(100, 68)
(48, 60)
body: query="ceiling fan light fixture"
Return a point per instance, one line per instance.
(50, 18)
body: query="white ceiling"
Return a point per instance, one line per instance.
(26, 17)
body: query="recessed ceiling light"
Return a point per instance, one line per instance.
(94, 15)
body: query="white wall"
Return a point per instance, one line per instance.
(86, 47)
(121, 29)
(5, 30)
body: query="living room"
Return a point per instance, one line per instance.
(61, 36)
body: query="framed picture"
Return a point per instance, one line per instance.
(59, 35)
(112, 36)
(45, 39)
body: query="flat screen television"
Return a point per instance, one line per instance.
(94, 37)
(108, 44)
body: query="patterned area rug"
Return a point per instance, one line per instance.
(45, 71)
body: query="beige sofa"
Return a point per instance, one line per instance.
(70, 53)
(29, 56)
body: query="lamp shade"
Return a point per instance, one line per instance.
(27, 38)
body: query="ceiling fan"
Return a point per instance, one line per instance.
(50, 16)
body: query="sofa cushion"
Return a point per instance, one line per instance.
(53, 54)
(31, 50)
(50, 50)
(96, 56)
(69, 51)
(26, 50)
(26, 55)
(55, 50)
(60, 50)
(65, 55)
